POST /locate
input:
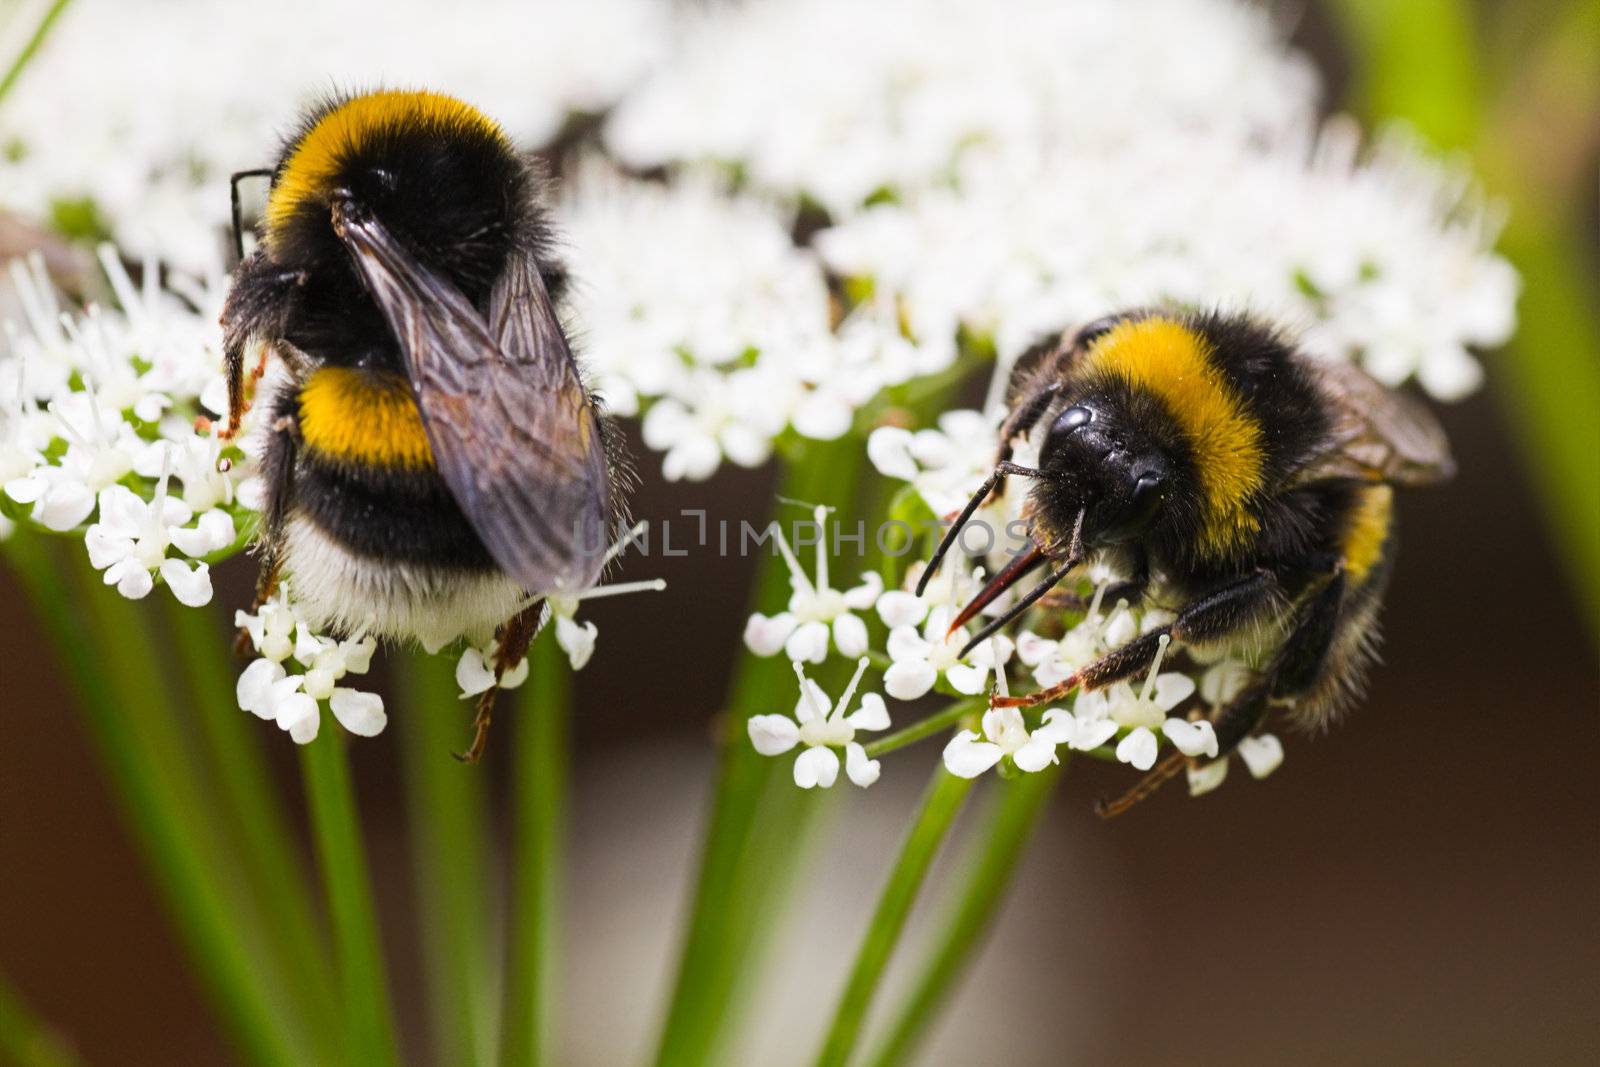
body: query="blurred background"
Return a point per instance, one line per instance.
(1418, 886)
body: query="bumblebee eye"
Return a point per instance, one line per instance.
(1074, 418)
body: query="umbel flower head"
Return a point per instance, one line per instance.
(701, 315)
(142, 150)
(101, 429)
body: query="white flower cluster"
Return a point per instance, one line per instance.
(840, 100)
(293, 699)
(98, 428)
(152, 136)
(1018, 166)
(697, 310)
(1384, 260)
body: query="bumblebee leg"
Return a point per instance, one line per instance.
(511, 641)
(1233, 722)
(1217, 613)
(256, 307)
(277, 471)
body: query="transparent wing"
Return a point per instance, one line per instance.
(1379, 435)
(512, 430)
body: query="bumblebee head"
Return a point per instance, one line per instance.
(443, 177)
(1097, 462)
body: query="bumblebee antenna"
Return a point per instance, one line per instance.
(1001, 469)
(233, 190)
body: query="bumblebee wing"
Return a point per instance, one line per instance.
(511, 427)
(1378, 434)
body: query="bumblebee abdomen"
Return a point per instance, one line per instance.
(360, 417)
(366, 476)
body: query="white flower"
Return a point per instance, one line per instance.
(1262, 754)
(892, 109)
(1204, 777)
(920, 658)
(1140, 713)
(159, 183)
(268, 690)
(701, 312)
(130, 541)
(1055, 661)
(945, 465)
(1197, 738)
(816, 611)
(822, 731)
(475, 671)
(1005, 734)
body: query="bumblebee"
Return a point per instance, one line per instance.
(1225, 476)
(434, 461)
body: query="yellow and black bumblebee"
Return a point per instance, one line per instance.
(1226, 477)
(434, 460)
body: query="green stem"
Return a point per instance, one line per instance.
(109, 658)
(983, 877)
(938, 721)
(273, 867)
(40, 32)
(540, 754)
(335, 824)
(449, 830)
(940, 805)
(25, 1039)
(732, 891)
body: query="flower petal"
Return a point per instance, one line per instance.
(131, 580)
(1172, 690)
(872, 715)
(473, 674)
(773, 735)
(967, 757)
(909, 679)
(865, 595)
(899, 608)
(1138, 748)
(191, 586)
(1033, 650)
(300, 715)
(850, 635)
(213, 533)
(808, 644)
(360, 713)
(515, 676)
(817, 766)
(1206, 777)
(889, 449)
(1262, 754)
(1089, 732)
(1198, 738)
(906, 644)
(965, 678)
(764, 635)
(253, 690)
(861, 770)
(1036, 755)
(577, 640)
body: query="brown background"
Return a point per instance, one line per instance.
(1418, 886)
